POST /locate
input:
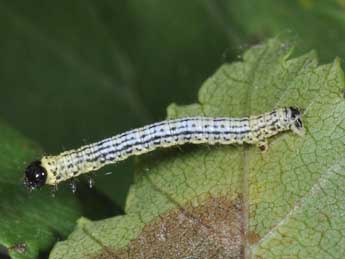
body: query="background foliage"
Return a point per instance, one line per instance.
(76, 71)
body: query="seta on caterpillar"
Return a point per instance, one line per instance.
(52, 170)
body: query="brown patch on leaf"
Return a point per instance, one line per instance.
(253, 237)
(212, 230)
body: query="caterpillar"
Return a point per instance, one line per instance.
(51, 170)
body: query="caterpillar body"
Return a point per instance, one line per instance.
(256, 129)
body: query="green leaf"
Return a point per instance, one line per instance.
(231, 201)
(30, 223)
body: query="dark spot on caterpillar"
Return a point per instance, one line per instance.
(262, 147)
(294, 112)
(111, 158)
(298, 124)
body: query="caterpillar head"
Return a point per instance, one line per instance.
(35, 175)
(296, 122)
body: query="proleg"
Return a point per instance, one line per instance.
(256, 129)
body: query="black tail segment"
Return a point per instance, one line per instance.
(35, 175)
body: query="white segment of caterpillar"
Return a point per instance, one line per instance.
(256, 129)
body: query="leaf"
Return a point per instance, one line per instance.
(233, 201)
(30, 223)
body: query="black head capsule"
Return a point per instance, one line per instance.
(295, 113)
(296, 122)
(35, 175)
